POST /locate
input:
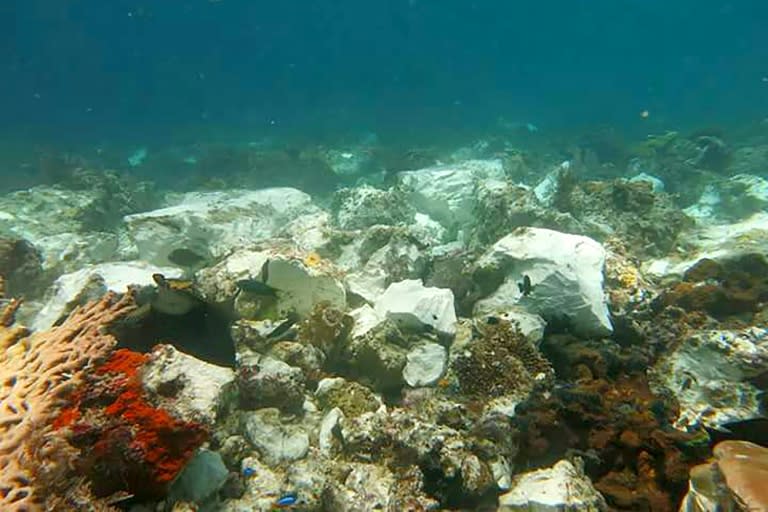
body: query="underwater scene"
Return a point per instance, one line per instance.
(383, 255)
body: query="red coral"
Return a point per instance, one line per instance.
(129, 444)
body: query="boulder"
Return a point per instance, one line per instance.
(411, 305)
(710, 374)
(298, 283)
(93, 281)
(446, 192)
(190, 389)
(565, 273)
(51, 219)
(275, 441)
(734, 199)
(210, 224)
(202, 477)
(425, 364)
(268, 382)
(564, 486)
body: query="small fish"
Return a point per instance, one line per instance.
(525, 285)
(255, 287)
(286, 500)
(248, 472)
(185, 258)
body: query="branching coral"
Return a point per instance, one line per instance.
(501, 361)
(37, 374)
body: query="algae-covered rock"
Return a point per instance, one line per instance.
(362, 207)
(351, 398)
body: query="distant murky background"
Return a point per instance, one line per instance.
(125, 72)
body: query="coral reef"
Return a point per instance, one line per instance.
(127, 445)
(605, 412)
(501, 361)
(722, 289)
(38, 373)
(645, 220)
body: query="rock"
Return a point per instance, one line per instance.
(561, 487)
(365, 487)
(381, 256)
(310, 232)
(362, 207)
(736, 198)
(20, 267)
(547, 189)
(275, 441)
(202, 477)
(268, 382)
(716, 242)
(262, 488)
(426, 364)
(531, 325)
(93, 281)
(351, 398)
(446, 192)
(365, 319)
(210, 224)
(710, 373)
(565, 271)
(306, 479)
(256, 335)
(55, 221)
(348, 163)
(734, 480)
(376, 357)
(656, 184)
(297, 283)
(189, 388)
(327, 438)
(413, 306)
(219, 282)
(309, 358)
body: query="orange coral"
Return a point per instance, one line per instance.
(37, 374)
(128, 444)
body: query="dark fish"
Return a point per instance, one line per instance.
(754, 430)
(525, 285)
(185, 258)
(256, 287)
(248, 472)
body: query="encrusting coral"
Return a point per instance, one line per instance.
(37, 373)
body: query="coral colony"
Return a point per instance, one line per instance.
(494, 330)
